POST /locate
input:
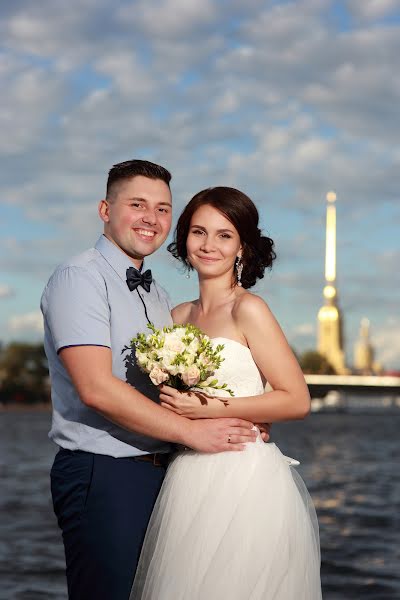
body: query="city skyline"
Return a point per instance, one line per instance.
(284, 100)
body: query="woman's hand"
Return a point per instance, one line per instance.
(197, 405)
(192, 405)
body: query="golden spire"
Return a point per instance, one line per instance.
(330, 342)
(330, 249)
(330, 255)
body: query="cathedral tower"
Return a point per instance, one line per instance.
(363, 351)
(330, 334)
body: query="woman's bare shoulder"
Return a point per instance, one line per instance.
(181, 312)
(248, 305)
(258, 325)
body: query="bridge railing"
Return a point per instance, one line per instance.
(388, 381)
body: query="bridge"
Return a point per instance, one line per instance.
(371, 385)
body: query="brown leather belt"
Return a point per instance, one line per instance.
(158, 459)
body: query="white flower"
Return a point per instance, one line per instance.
(190, 358)
(141, 358)
(181, 369)
(158, 376)
(173, 343)
(193, 346)
(167, 356)
(181, 332)
(204, 360)
(151, 364)
(191, 376)
(166, 359)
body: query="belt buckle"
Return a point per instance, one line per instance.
(156, 459)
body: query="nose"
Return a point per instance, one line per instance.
(207, 245)
(150, 217)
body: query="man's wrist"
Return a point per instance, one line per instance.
(185, 432)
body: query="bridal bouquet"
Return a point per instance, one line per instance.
(181, 356)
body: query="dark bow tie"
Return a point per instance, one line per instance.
(135, 278)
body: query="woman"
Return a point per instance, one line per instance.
(234, 525)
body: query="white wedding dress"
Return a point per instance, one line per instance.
(234, 525)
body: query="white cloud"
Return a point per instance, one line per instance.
(6, 291)
(65, 33)
(227, 102)
(168, 18)
(304, 329)
(386, 341)
(373, 9)
(31, 322)
(130, 78)
(29, 95)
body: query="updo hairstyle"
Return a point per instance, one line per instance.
(258, 250)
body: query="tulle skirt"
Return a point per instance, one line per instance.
(231, 526)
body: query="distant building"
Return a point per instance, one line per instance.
(364, 363)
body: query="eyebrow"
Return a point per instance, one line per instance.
(218, 230)
(138, 199)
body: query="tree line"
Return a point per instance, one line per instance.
(24, 375)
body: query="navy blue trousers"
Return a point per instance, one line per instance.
(103, 506)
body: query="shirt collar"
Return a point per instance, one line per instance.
(117, 259)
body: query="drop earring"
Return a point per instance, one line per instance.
(239, 270)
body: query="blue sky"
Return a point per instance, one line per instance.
(284, 100)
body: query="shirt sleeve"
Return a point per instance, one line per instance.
(76, 310)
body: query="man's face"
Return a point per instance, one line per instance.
(138, 216)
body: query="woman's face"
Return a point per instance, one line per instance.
(213, 243)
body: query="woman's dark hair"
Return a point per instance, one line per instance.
(258, 250)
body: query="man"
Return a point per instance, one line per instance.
(112, 433)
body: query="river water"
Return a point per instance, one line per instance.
(350, 464)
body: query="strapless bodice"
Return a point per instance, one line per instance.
(238, 369)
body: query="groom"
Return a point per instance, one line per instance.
(114, 437)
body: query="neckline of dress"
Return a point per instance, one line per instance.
(220, 337)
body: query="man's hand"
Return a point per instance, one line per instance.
(219, 435)
(265, 429)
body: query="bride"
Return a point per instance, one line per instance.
(234, 525)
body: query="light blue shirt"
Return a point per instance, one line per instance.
(87, 302)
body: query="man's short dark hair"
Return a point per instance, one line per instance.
(133, 168)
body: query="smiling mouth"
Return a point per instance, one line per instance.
(208, 259)
(146, 233)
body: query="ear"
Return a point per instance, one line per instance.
(104, 209)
